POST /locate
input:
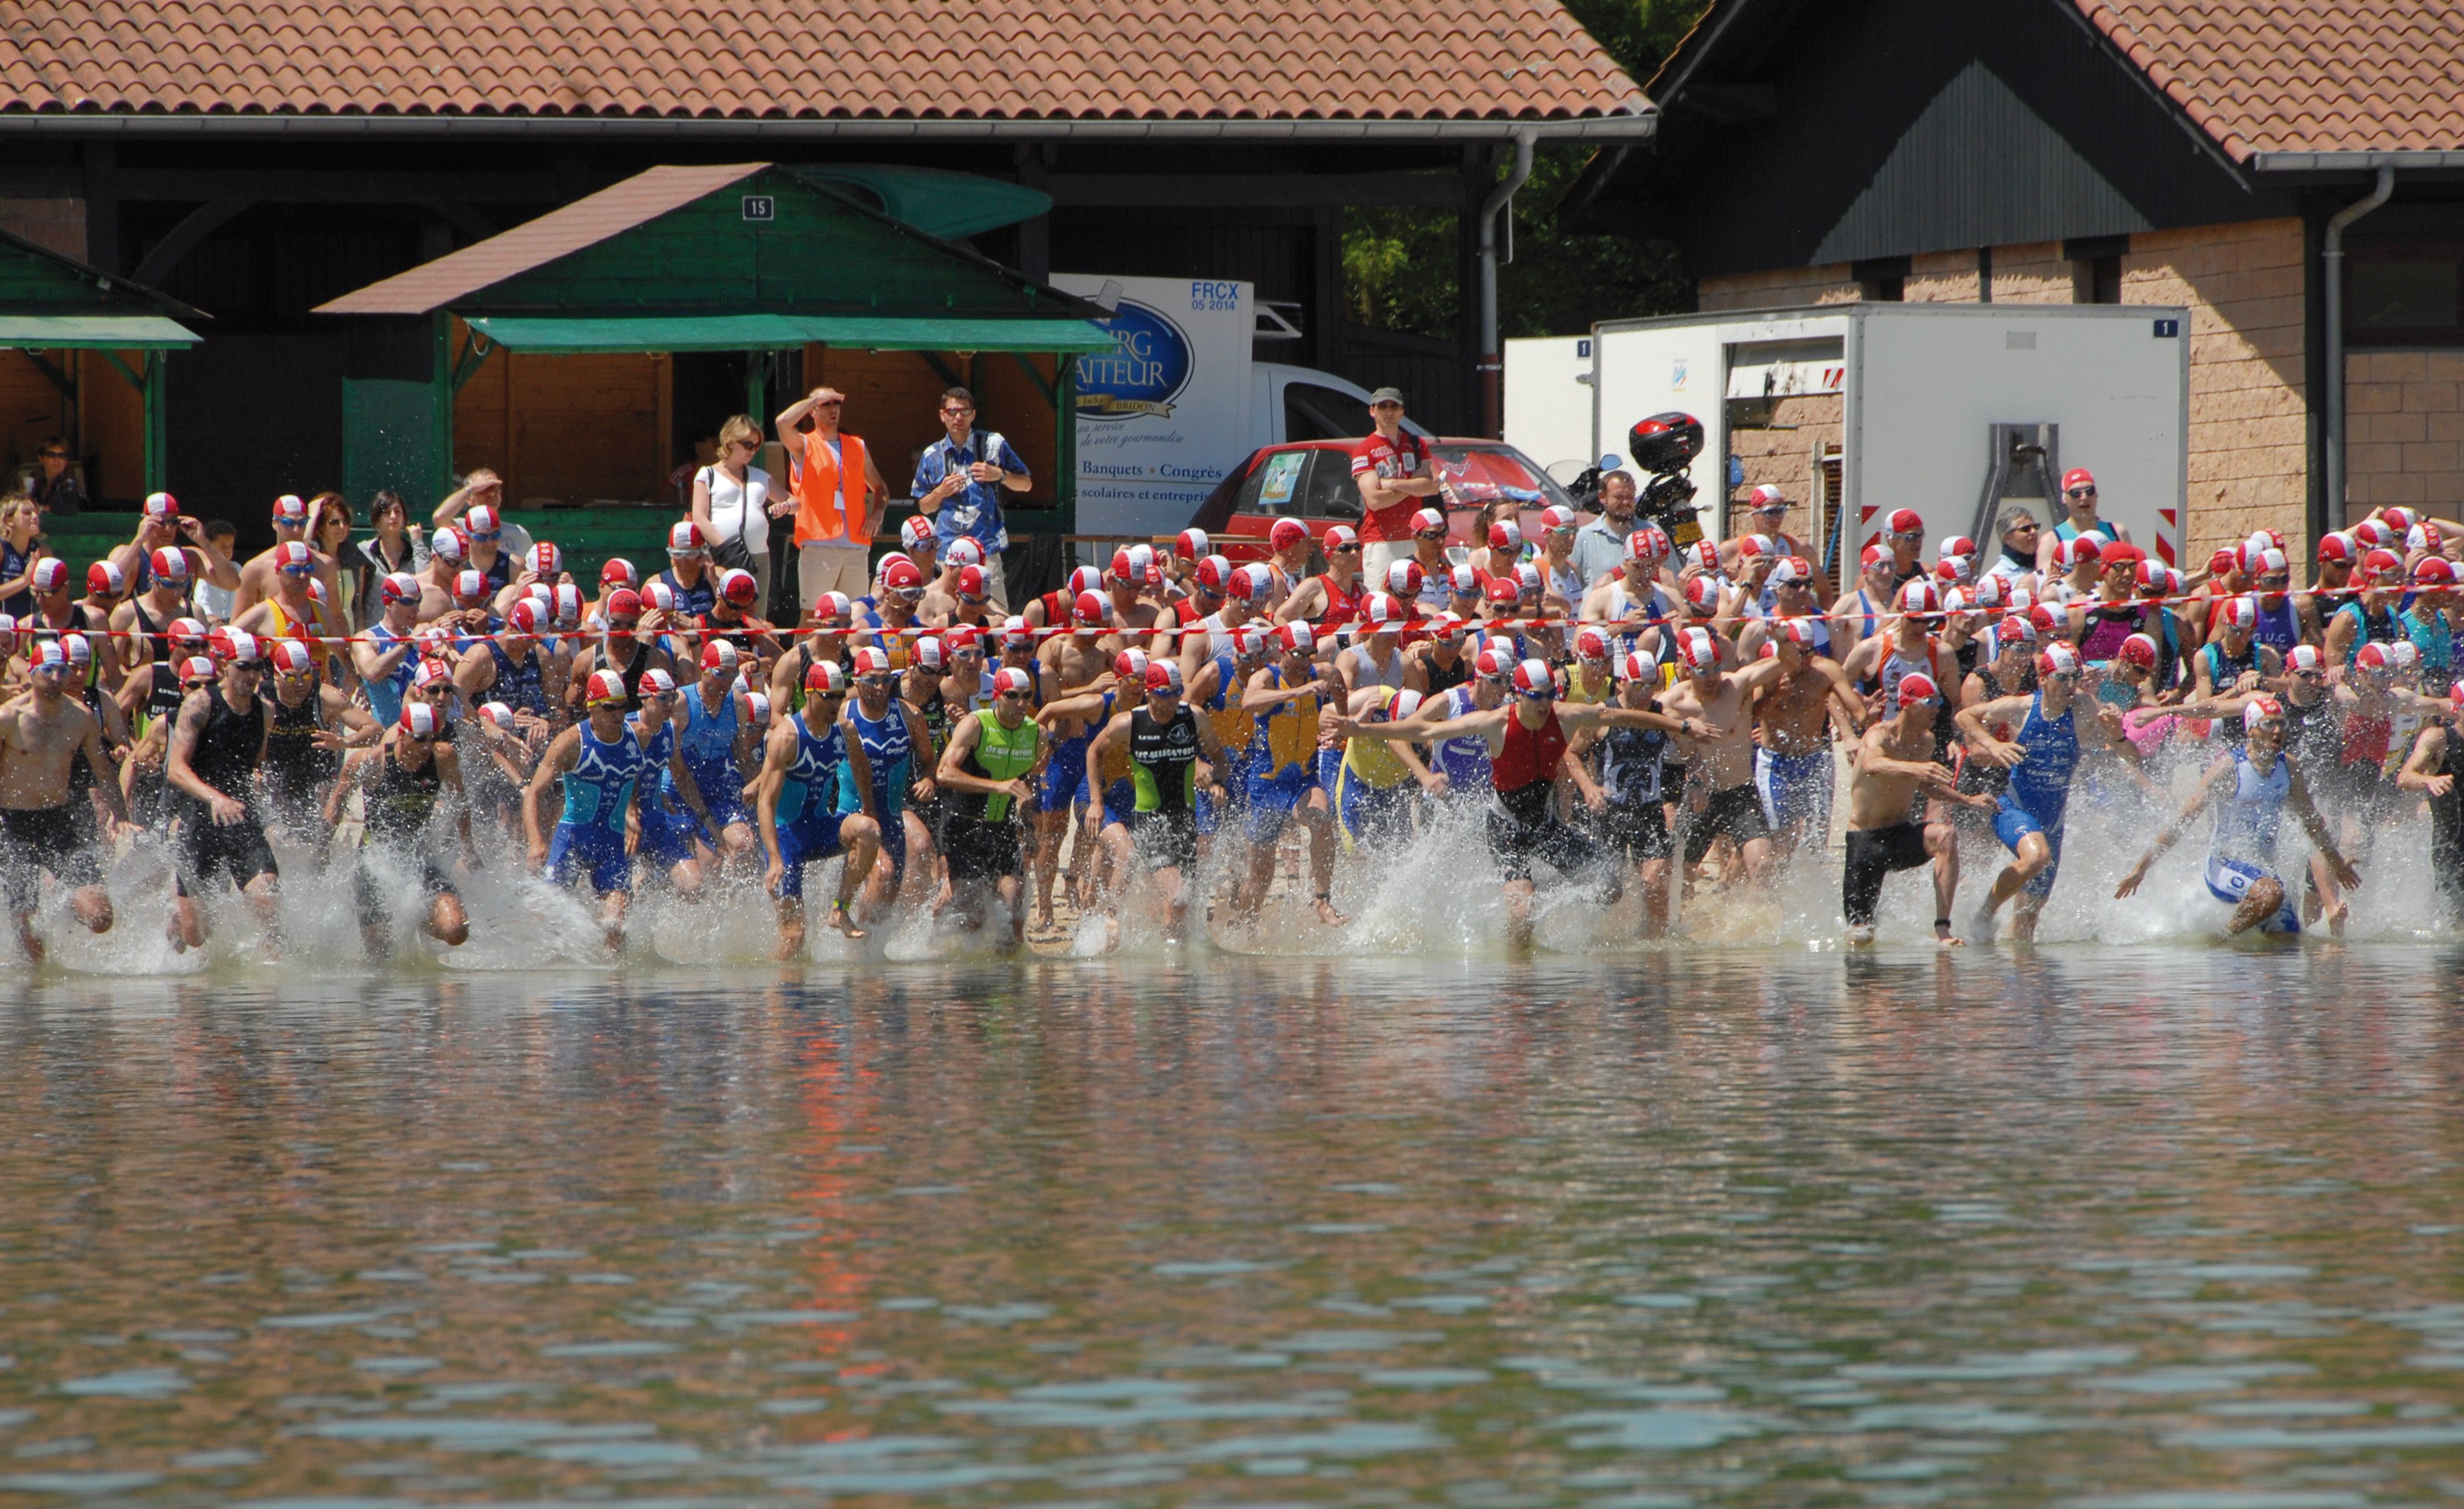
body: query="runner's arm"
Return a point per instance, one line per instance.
(2203, 794)
(2429, 753)
(1974, 718)
(859, 766)
(2297, 795)
(98, 759)
(557, 759)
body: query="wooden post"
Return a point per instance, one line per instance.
(1065, 442)
(152, 394)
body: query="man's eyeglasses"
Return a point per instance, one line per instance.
(957, 413)
(1345, 550)
(53, 455)
(906, 595)
(973, 596)
(2030, 527)
(1010, 696)
(2280, 578)
(1908, 533)
(2081, 492)
(874, 683)
(298, 573)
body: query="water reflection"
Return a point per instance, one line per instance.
(1770, 1227)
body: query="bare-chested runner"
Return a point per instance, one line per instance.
(1887, 830)
(42, 731)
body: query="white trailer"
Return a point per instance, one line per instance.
(1959, 412)
(1549, 402)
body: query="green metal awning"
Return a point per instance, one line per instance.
(571, 334)
(934, 199)
(95, 332)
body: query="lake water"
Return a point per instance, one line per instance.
(2174, 1228)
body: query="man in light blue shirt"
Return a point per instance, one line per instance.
(959, 483)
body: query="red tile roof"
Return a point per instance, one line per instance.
(792, 60)
(586, 222)
(2302, 75)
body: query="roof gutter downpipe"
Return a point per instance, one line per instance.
(2331, 261)
(1492, 369)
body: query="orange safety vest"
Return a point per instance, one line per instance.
(830, 492)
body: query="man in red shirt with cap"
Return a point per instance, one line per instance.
(1392, 468)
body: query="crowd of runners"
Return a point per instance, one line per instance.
(1170, 732)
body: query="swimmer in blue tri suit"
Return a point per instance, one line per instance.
(795, 800)
(2250, 788)
(717, 741)
(602, 762)
(672, 815)
(2041, 757)
(882, 728)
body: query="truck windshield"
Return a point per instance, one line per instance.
(1477, 474)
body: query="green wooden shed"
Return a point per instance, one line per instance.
(53, 303)
(750, 257)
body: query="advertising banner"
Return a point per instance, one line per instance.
(1165, 413)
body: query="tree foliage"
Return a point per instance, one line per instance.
(1400, 269)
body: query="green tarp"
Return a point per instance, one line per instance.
(99, 333)
(584, 333)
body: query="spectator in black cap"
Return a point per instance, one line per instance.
(1392, 466)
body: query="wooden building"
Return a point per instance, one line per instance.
(2291, 170)
(257, 159)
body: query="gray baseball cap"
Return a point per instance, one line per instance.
(1386, 395)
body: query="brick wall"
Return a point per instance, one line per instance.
(1784, 289)
(2404, 430)
(2035, 275)
(1941, 277)
(2242, 283)
(1784, 457)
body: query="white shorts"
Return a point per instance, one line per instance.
(2228, 881)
